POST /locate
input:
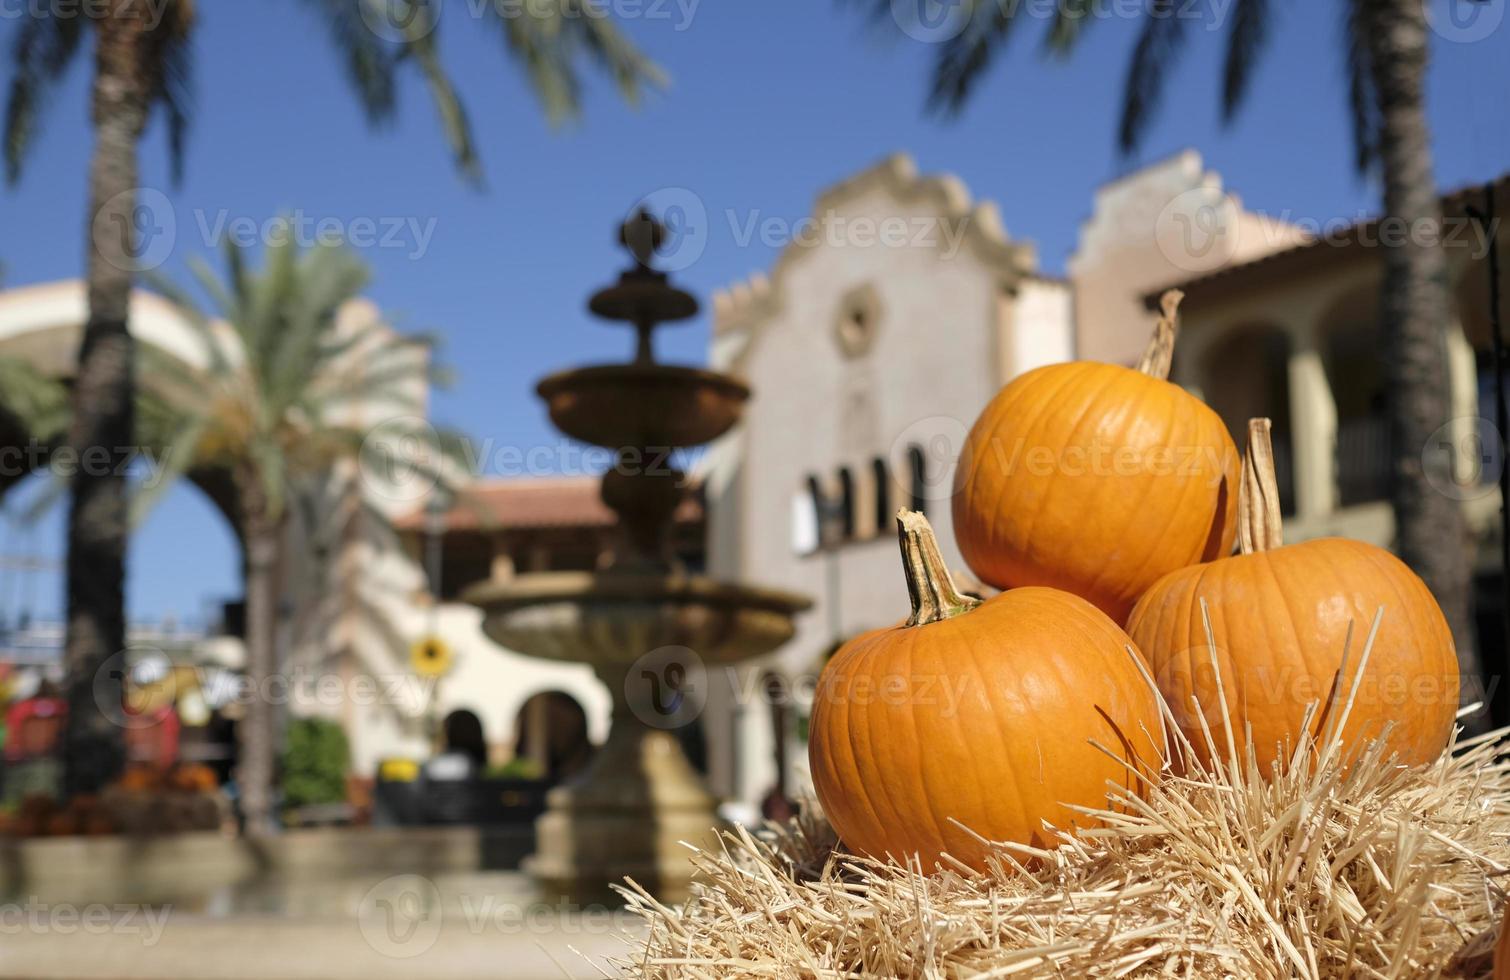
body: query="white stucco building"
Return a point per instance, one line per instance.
(869, 361)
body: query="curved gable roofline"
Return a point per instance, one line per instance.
(45, 321)
(743, 305)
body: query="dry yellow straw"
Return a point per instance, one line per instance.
(1339, 864)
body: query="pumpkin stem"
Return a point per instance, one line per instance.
(1259, 526)
(934, 594)
(1160, 353)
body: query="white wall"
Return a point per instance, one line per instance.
(1166, 223)
(938, 357)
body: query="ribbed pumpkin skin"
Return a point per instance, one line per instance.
(1279, 619)
(1032, 505)
(1035, 670)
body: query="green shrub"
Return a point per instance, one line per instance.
(316, 758)
(515, 769)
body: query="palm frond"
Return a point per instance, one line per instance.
(963, 58)
(1158, 47)
(368, 59)
(445, 461)
(421, 44)
(44, 47)
(38, 404)
(281, 408)
(549, 36)
(387, 386)
(171, 67)
(178, 433)
(198, 321)
(329, 277)
(1363, 105)
(1246, 39)
(1068, 25)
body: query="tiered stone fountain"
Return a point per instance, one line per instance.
(636, 620)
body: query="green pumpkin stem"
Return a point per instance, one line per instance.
(1159, 356)
(935, 597)
(1259, 525)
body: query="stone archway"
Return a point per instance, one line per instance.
(41, 326)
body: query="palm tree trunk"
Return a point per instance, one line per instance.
(1415, 308)
(257, 731)
(101, 431)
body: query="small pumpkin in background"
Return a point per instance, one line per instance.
(193, 778)
(141, 779)
(1280, 616)
(976, 713)
(1096, 479)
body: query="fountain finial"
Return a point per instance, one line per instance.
(642, 234)
(643, 297)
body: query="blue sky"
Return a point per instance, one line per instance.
(769, 101)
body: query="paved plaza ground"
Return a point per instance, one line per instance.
(484, 925)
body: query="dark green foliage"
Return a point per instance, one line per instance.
(316, 758)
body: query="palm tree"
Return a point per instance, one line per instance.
(279, 406)
(1384, 59)
(142, 62)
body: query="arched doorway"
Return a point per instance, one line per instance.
(550, 732)
(463, 735)
(1245, 374)
(1349, 341)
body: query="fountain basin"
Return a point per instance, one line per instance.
(643, 405)
(615, 617)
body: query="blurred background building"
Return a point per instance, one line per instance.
(871, 344)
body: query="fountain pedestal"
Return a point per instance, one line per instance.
(652, 632)
(627, 817)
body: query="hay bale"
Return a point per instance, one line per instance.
(1338, 862)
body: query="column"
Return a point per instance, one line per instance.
(1462, 378)
(1313, 421)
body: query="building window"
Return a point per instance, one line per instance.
(917, 465)
(856, 320)
(847, 513)
(882, 479)
(807, 514)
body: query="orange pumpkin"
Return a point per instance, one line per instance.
(193, 778)
(141, 779)
(1280, 616)
(976, 715)
(1096, 479)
